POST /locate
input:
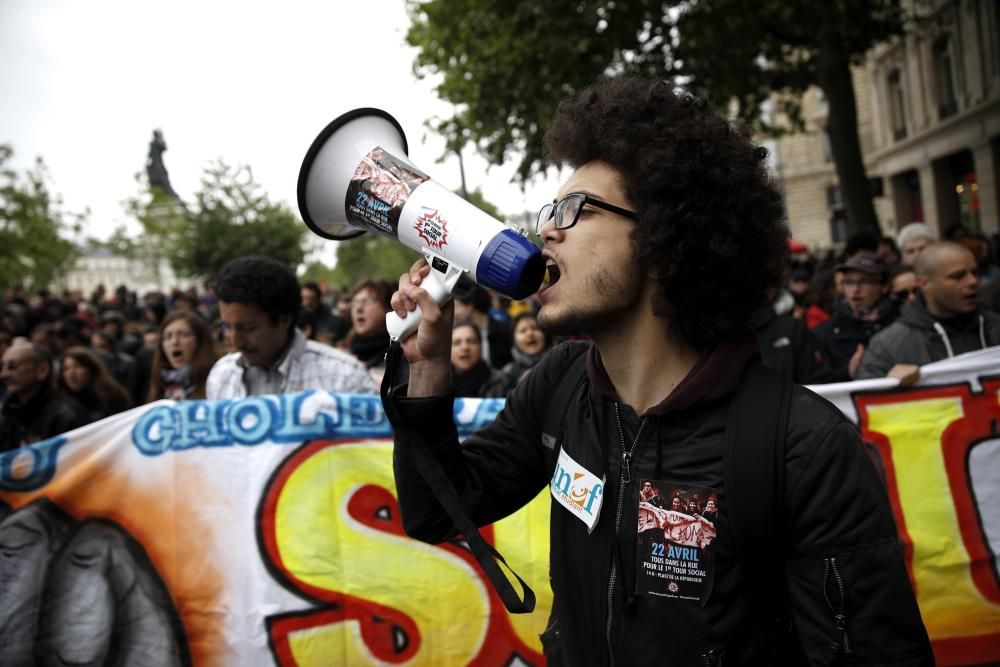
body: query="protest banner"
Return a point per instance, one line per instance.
(266, 531)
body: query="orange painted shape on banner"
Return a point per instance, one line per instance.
(150, 510)
(924, 437)
(330, 530)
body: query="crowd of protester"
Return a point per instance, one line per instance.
(886, 305)
(881, 306)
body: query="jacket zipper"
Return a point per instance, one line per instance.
(624, 477)
(839, 612)
(614, 571)
(711, 658)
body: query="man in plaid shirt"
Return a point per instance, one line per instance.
(259, 300)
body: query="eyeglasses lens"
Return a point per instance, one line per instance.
(543, 217)
(567, 210)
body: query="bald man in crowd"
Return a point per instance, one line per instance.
(943, 321)
(32, 410)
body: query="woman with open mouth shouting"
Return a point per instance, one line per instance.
(186, 354)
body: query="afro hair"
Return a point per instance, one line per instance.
(710, 222)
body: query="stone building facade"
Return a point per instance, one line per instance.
(99, 266)
(929, 123)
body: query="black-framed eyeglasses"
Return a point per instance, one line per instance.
(566, 211)
(905, 294)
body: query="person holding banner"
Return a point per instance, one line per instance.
(944, 320)
(259, 300)
(661, 246)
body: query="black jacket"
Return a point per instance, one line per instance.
(44, 415)
(838, 524)
(841, 334)
(499, 339)
(917, 337)
(787, 346)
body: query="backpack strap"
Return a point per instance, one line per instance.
(755, 457)
(754, 470)
(564, 386)
(427, 465)
(569, 377)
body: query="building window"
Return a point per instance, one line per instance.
(944, 75)
(838, 214)
(897, 105)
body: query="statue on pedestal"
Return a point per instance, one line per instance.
(155, 169)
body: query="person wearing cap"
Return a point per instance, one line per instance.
(944, 320)
(863, 311)
(912, 239)
(798, 285)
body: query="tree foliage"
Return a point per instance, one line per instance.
(121, 242)
(33, 247)
(506, 64)
(371, 256)
(161, 218)
(230, 218)
(317, 271)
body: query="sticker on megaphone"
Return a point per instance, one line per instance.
(387, 194)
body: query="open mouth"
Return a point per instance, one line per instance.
(532, 347)
(552, 274)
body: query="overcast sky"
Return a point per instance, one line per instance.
(84, 83)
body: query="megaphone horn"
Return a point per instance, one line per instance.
(329, 166)
(356, 177)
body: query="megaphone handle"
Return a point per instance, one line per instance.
(439, 286)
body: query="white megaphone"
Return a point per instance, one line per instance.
(356, 177)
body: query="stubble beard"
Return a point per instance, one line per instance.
(607, 296)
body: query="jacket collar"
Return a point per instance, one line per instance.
(716, 373)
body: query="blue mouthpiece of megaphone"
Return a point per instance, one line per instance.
(511, 264)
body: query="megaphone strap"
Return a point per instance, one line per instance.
(447, 496)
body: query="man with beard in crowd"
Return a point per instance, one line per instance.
(860, 314)
(661, 246)
(32, 410)
(259, 301)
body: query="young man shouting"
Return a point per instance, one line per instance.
(661, 246)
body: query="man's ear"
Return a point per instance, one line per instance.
(285, 321)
